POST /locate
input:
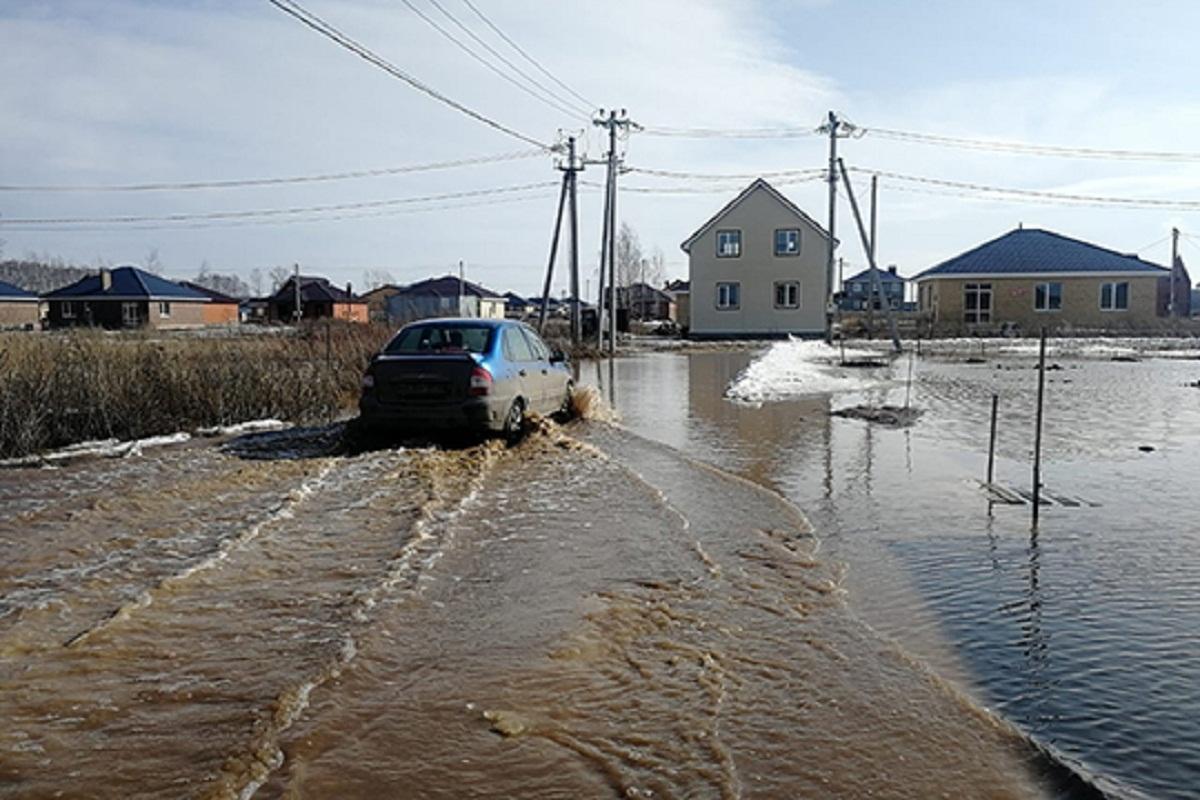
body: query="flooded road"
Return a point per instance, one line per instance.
(1082, 635)
(588, 614)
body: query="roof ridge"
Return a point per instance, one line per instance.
(757, 183)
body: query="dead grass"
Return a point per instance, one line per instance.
(57, 389)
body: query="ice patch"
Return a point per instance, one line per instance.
(103, 448)
(253, 426)
(796, 368)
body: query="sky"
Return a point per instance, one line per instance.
(115, 92)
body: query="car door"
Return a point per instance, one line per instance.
(553, 380)
(520, 367)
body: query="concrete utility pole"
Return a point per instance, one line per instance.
(298, 313)
(614, 120)
(562, 200)
(462, 289)
(832, 126)
(1172, 306)
(871, 298)
(572, 200)
(862, 232)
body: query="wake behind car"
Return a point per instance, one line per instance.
(462, 375)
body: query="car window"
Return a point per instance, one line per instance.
(440, 339)
(516, 348)
(540, 351)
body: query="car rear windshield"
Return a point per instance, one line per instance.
(441, 339)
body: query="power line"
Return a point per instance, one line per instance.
(584, 109)
(270, 212)
(1004, 193)
(489, 65)
(782, 132)
(663, 173)
(294, 9)
(232, 184)
(298, 219)
(711, 189)
(589, 104)
(1026, 148)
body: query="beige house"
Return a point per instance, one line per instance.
(19, 309)
(757, 269)
(125, 297)
(1029, 278)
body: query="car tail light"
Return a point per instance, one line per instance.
(368, 381)
(481, 382)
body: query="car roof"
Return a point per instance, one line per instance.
(474, 322)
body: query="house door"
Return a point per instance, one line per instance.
(131, 316)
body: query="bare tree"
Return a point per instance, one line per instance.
(256, 281)
(278, 276)
(374, 278)
(629, 256)
(153, 263)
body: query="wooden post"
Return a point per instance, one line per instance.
(992, 441)
(1037, 433)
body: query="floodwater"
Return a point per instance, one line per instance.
(598, 612)
(1083, 634)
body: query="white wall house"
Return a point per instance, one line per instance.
(757, 268)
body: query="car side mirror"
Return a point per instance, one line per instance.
(558, 357)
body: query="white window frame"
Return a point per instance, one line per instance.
(981, 290)
(164, 308)
(793, 237)
(789, 287)
(729, 243)
(729, 295)
(1045, 286)
(1112, 287)
(68, 309)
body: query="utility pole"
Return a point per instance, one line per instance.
(462, 288)
(862, 232)
(1172, 306)
(871, 296)
(562, 200)
(297, 313)
(614, 120)
(573, 204)
(836, 128)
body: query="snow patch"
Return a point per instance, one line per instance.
(796, 368)
(253, 426)
(101, 448)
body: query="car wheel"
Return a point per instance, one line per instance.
(565, 411)
(514, 423)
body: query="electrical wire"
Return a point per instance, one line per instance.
(585, 110)
(713, 189)
(295, 179)
(731, 133)
(1026, 148)
(1003, 193)
(270, 212)
(295, 10)
(587, 103)
(663, 173)
(489, 65)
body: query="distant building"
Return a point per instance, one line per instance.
(856, 291)
(125, 297)
(377, 300)
(680, 292)
(644, 302)
(757, 268)
(319, 299)
(517, 307)
(1031, 278)
(447, 296)
(19, 309)
(1195, 298)
(221, 308)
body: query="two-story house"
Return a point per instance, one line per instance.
(757, 269)
(857, 290)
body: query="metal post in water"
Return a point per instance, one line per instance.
(1037, 432)
(992, 440)
(908, 385)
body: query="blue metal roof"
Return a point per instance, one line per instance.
(1032, 250)
(10, 292)
(127, 282)
(884, 276)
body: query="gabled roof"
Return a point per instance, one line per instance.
(387, 290)
(885, 276)
(313, 289)
(126, 283)
(679, 285)
(212, 294)
(756, 184)
(450, 286)
(10, 294)
(644, 290)
(1026, 251)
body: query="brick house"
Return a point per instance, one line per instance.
(18, 308)
(125, 297)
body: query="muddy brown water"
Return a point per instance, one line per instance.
(589, 614)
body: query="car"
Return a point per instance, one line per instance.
(463, 375)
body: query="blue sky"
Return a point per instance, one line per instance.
(126, 91)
